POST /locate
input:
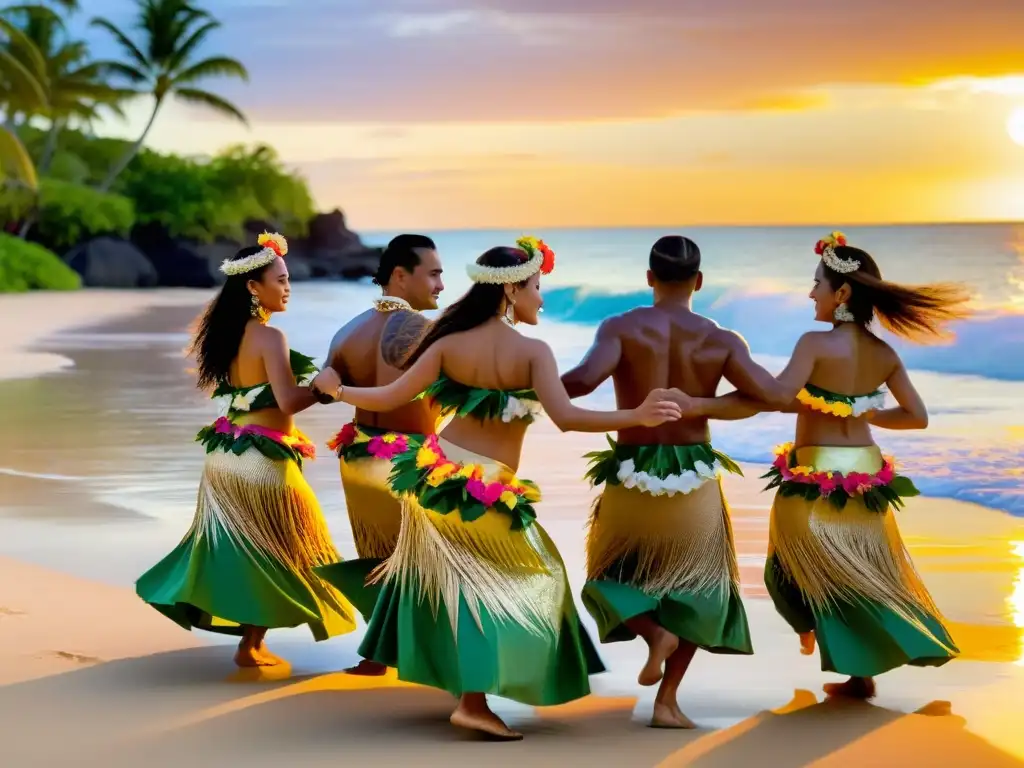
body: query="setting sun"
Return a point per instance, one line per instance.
(1015, 126)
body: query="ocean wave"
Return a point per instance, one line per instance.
(772, 321)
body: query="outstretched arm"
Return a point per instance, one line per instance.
(735, 405)
(569, 418)
(912, 413)
(399, 392)
(751, 379)
(597, 365)
(290, 397)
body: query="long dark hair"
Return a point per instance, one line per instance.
(221, 327)
(478, 305)
(918, 313)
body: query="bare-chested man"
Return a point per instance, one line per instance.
(369, 351)
(661, 562)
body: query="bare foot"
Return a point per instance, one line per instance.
(807, 643)
(368, 668)
(854, 688)
(669, 716)
(250, 657)
(485, 722)
(660, 648)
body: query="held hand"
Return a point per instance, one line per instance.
(658, 408)
(689, 407)
(326, 382)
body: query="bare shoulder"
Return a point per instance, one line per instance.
(812, 340)
(727, 338)
(402, 332)
(267, 335)
(535, 349)
(885, 353)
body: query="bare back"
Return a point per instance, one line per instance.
(490, 356)
(848, 360)
(249, 369)
(668, 347)
(368, 352)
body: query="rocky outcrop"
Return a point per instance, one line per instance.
(331, 250)
(112, 262)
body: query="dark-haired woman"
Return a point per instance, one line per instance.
(246, 564)
(475, 598)
(837, 568)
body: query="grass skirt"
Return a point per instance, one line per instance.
(669, 556)
(847, 575)
(477, 607)
(249, 556)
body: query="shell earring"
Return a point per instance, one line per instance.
(510, 313)
(257, 310)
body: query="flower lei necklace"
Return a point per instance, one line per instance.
(391, 304)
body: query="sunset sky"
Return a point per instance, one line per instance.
(477, 113)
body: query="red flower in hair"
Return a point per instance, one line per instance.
(548, 263)
(819, 247)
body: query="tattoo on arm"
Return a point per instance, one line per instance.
(402, 333)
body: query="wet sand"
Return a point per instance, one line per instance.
(100, 483)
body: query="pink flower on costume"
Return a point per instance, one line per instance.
(223, 426)
(387, 446)
(486, 494)
(886, 474)
(857, 482)
(827, 484)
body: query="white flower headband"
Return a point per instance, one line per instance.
(826, 249)
(542, 259)
(274, 247)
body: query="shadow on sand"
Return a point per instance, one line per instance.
(186, 707)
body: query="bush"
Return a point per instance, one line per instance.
(206, 200)
(69, 214)
(27, 266)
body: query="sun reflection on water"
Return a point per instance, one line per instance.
(1016, 599)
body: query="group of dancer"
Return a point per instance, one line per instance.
(459, 584)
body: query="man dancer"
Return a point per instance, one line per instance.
(369, 351)
(661, 562)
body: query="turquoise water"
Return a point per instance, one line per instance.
(756, 281)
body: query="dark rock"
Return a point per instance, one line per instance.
(182, 263)
(111, 262)
(334, 251)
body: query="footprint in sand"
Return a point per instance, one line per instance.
(76, 657)
(5, 611)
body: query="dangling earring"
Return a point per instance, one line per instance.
(510, 313)
(258, 311)
(842, 314)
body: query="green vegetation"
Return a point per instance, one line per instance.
(27, 266)
(61, 185)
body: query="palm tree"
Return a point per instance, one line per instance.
(164, 64)
(22, 74)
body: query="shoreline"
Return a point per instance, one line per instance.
(86, 667)
(40, 315)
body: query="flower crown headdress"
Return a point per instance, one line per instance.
(826, 249)
(541, 259)
(274, 247)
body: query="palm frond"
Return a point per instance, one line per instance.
(138, 58)
(188, 47)
(215, 66)
(21, 87)
(19, 43)
(128, 72)
(15, 162)
(214, 102)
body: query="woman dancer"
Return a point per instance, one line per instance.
(475, 598)
(246, 564)
(837, 568)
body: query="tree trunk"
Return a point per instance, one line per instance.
(133, 150)
(51, 146)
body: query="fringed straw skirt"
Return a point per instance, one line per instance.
(846, 574)
(249, 556)
(671, 557)
(477, 605)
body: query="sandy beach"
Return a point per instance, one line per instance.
(100, 483)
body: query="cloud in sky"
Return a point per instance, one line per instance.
(498, 60)
(453, 113)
